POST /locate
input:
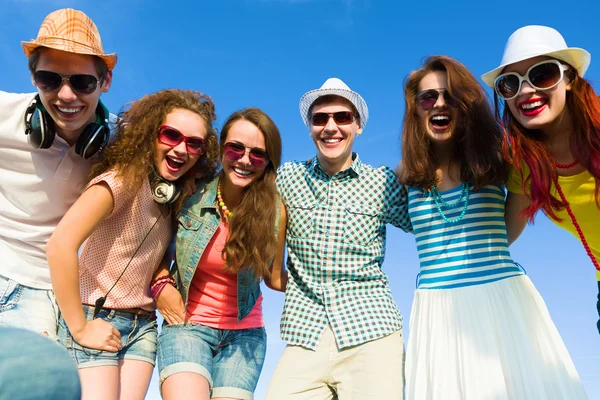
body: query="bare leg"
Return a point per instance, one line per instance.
(99, 383)
(134, 378)
(186, 385)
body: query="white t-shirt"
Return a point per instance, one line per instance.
(37, 187)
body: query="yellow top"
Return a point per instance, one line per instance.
(579, 191)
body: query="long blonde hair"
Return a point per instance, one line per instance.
(252, 241)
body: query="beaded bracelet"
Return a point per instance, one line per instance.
(164, 278)
(158, 284)
(157, 289)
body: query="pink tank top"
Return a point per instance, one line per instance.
(212, 300)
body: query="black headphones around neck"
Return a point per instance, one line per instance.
(39, 127)
(163, 191)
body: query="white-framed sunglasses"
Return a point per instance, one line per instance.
(542, 76)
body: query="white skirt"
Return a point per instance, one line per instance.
(487, 342)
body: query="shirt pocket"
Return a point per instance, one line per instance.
(362, 224)
(300, 219)
(187, 231)
(189, 223)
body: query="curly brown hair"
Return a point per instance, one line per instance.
(132, 152)
(478, 136)
(252, 238)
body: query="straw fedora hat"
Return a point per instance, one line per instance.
(336, 87)
(533, 41)
(71, 31)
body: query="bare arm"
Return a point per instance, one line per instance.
(515, 224)
(169, 301)
(398, 170)
(93, 207)
(279, 275)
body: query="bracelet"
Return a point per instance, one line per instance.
(164, 278)
(157, 289)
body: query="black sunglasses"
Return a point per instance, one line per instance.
(426, 99)
(48, 81)
(340, 118)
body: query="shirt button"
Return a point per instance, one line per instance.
(188, 224)
(244, 281)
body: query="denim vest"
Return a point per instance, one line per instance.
(198, 222)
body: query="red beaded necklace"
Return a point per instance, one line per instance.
(570, 212)
(565, 166)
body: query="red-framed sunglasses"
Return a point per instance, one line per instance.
(233, 151)
(172, 137)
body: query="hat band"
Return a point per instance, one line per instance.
(57, 41)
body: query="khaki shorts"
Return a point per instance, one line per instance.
(373, 370)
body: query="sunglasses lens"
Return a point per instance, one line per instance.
(319, 119)
(258, 158)
(170, 136)
(84, 84)
(233, 151)
(47, 81)
(195, 145)
(451, 101)
(545, 76)
(507, 86)
(427, 99)
(343, 117)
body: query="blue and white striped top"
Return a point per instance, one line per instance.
(469, 252)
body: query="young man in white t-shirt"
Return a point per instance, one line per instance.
(48, 141)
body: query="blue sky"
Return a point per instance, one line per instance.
(267, 53)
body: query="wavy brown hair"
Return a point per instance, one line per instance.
(132, 152)
(526, 145)
(252, 237)
(477, 136)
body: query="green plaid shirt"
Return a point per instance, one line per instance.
(336, 245)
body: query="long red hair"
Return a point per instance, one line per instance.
(521, 145)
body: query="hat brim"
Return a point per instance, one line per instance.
(109, 59)
(574, 56)
(356, 99)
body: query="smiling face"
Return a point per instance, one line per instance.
(537, 109)
(70, 110)
(172, 162)
(441, 119)
(335, 141)
(241, 173)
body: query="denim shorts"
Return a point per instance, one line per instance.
(28, 308)
(231, 360)
(138, 334)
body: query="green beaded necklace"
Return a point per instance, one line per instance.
(439, 201)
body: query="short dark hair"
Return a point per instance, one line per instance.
(101, 66)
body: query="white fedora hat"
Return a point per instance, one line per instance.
(533, 41)
(334, 86)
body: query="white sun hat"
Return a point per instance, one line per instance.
(336, 87)
(533, 41)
